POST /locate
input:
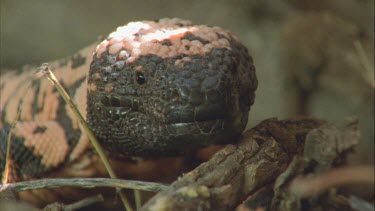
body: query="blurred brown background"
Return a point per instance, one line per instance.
(312, 57)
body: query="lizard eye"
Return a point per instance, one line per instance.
(140, 77)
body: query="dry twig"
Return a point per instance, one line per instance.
(308, 186)
(46, 70)
(83, 183)
(6, 172)
(76, 205)
(238, 170)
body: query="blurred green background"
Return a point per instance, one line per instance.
(312, 57)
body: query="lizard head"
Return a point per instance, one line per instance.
(165, 87)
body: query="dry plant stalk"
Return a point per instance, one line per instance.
(46, 70)
(6, 172)
(83, 183)
(368, 69)
(309, 186)
(76, 205)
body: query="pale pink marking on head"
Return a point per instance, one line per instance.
(142, 38)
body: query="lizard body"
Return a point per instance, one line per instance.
(46, 134)
(150, 89)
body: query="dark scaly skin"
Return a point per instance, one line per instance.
(166, 109)
(161, 110)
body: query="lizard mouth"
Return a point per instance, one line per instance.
(124, 123)
(175, 115)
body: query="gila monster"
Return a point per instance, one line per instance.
(152, 88)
